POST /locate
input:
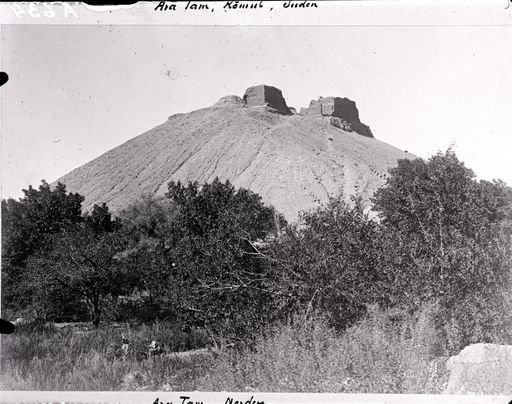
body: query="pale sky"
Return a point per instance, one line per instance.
(77, 91)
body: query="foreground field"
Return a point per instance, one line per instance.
(373, 356)
(70, 359)
(378, 355)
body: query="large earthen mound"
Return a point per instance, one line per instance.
(294, 162)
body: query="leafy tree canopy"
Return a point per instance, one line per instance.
(214, 261)
(42, 211)
(330, 263)
(451, 238)
(86, 261)
(431, 198)
(27, 224)
(217, 205)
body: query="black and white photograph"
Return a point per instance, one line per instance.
(279, 208)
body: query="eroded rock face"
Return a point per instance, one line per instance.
(342, 108)
(264, 95)
(481, 369)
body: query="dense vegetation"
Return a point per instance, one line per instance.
(358, 300)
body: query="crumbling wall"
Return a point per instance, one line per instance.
(315, 107)
(345, 109)
(328, 108)
(361, 128)
(255, 96)
(341, 108)
(264, 95)
(229, 100)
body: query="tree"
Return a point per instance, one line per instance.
(26, 226)
(147, 224)
(214, 260)
(429, 199)
(218, 206)
(450, 243)
(100, 220)
(148, 217)
(330, 263)
(86, 262)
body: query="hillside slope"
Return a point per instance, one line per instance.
(294, 162)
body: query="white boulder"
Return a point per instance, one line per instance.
(481, 369)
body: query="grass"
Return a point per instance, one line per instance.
(384, 353)
(374, 356)
(66, 360)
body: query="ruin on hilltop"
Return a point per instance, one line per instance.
(342, 112)
(264, 95)
(338, 107)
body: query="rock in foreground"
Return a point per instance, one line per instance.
(481, 369)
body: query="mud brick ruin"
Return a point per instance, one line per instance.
(266, 95)
(343, 112)
(342, 108)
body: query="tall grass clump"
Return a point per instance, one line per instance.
(47, 359)
(379, 354)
